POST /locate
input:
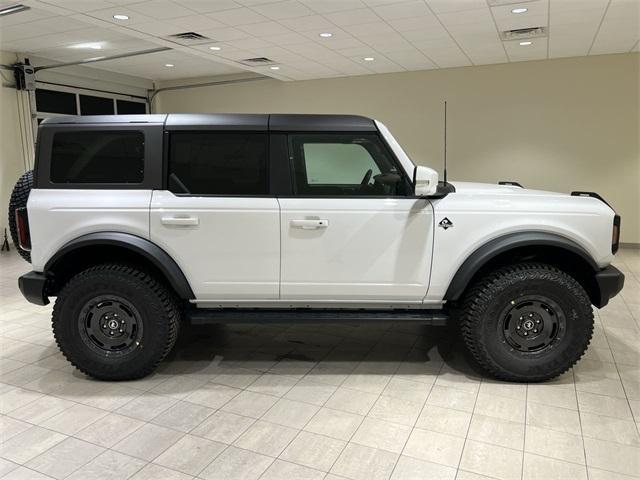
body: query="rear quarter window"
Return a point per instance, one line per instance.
(98, 157)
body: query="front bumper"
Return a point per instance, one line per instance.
(610, 281)
(32, 286)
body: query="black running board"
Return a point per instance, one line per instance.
(204, 316)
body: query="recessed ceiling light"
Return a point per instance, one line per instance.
(524, 44)
(519, 10)
(169, 65)
(13, 9)
(368, 59)
(326, 35)
(121, 17)
(92, 46)
(274, 68)
(215, 49)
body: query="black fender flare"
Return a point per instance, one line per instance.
(495, 247)
(141, 246)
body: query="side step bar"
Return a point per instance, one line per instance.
(205, 316)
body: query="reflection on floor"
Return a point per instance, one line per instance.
(317, 402)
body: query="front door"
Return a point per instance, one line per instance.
(216, 218)
(352, 231)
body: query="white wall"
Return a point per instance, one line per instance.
(569, 124)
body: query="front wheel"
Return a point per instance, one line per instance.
(115, 322)
(527, 322)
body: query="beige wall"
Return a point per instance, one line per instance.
(569, 124)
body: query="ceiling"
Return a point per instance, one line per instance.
(398, 35)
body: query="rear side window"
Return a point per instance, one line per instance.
(218, 163)
(98, 157)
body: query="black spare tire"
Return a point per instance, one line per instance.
(19, 198)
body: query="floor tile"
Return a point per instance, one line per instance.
(312, 450)
(190, 454)
(237, 464)
(223, 427)
(23, 473)
(396, 410)
(290, 413)
(409, 468)
(610, 429)
(156, 472)
(41, 409)
(148, 442)
(444, 420)
(64, 458)
(407, 389)
(497, 432)
(212, 395)
(491, 460)
(553, 418)
(504, 408)
(147, 406)
(452, 398)
(382, 435)
(271, 384)
(434, 447)
(281, 469)
(554, 444)
(351, 401)
(183, 416)
(250, 404)
(334, 423)
(539, 468)
(358, 462)
(109, 430)
(266, 438)
(108, 466)
(614, 457)
(29, 444)
(310, 391)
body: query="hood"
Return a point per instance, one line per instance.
(474, 188)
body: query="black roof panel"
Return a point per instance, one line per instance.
(104, 119)
(320, 123)
(217, 121)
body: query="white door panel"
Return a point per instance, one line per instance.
(228, 247)
(355, 249)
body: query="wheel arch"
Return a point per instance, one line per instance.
(114, 246)
(527, 246)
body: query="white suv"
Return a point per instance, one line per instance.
(138, 223)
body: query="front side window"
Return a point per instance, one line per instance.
(97, 157)
(218, 163)
(345, 164)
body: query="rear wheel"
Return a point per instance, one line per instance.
(527, 323)
(19, 197)
(115, 322)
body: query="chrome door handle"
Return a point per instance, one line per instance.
(310, 224)
(181, 221)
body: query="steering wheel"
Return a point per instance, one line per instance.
(367, 177)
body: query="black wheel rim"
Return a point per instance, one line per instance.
(110, 325)
(532, 324)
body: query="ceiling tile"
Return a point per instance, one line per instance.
(265, 28)
(237, 16)
(329, 6)
(282, 10)
(161, 9)
(403, 10)
(353, 17)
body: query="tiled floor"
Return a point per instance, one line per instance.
(317, 402)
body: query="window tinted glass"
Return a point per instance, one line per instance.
(218, 163)
(126, 107)
(345, 164)
(55, 102)
(90, 105)
(97, 157)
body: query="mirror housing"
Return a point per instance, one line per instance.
(425, 181)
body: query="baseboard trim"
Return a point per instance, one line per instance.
(630, 245)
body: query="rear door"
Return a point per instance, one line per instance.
(352, 231)
(216, 217)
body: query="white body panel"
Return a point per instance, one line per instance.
(227, 247)
(57, 216)
(481, 213)
(363, 249)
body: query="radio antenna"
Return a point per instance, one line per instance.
(445, 142)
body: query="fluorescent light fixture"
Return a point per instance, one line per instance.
(520, 10)
(524, 44)
(119, 16)
(326, 35)
(13, 9)
(368, 59)
(92, 46)
(170, 65)
(274, 68)
(215, 49)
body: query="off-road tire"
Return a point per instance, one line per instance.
(155, 304)
(486, 336)
(19, 197)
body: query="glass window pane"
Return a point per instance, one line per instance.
(97, 157)
(218, 163)
(51, 101)
(345, 164)
(126, 107)
(90, 105)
